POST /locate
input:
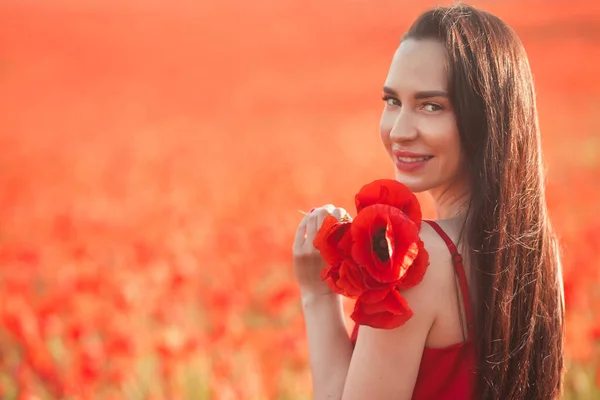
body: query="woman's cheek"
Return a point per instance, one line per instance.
(385, 137)
(385, 127)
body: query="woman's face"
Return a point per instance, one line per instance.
(418, 126)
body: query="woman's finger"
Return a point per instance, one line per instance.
(323, 213)
(300, 236)
(312, 227)
(341, 215)
(338, 213)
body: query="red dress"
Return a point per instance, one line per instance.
(446, 373)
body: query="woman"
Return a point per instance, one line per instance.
(460, 123)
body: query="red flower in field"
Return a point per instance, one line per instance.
(385, 242)
(119, 344)
(392, 193)
(276, 302)
(383, 309)
(595, 331)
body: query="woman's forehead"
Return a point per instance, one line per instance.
(418, 65)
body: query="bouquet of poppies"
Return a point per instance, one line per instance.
(373, 257)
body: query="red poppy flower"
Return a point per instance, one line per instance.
(346, 278)
(383, 309)
(392, 193)
(415, 273)
(375, 256)
(333, 240)
(385, 242)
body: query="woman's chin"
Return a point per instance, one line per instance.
(415, 185)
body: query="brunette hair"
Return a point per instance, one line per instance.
(519, 323)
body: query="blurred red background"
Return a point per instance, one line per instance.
(153, 159)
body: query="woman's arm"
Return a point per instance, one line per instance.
(385, 362)
(328, 341)
(329, 344)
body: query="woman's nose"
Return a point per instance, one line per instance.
(404, 128)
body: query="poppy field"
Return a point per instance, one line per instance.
(153, 159)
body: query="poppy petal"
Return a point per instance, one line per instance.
(389, 192)
(415, 273)
(350, 280)
(391, 312)
(331, 240)
(384, 242)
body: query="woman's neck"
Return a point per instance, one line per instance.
(451, 202)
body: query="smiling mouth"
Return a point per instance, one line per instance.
(414, 159)
(411, 164)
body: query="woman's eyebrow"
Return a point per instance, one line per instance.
(419, 95)
(431, 93)
(390, 91)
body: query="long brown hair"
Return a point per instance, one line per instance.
(519, 326)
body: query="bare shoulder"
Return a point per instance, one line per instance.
(439, 273)
(440, 288)
(440, 260)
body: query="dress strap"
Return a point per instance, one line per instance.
(460, 271)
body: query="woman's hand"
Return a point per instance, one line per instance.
(308, 263)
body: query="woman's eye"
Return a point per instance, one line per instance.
(432, 107)
(391, 101)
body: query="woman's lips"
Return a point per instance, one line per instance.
(410, 162)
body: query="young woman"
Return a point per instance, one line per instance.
(460, 123)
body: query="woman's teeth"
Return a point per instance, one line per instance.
(413, 159)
